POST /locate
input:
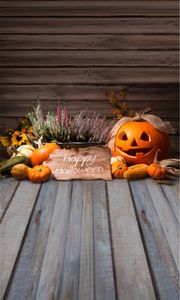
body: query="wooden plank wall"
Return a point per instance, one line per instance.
(78, 51)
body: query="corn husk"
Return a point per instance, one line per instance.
(172, 166)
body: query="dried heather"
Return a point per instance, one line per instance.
(86, 126)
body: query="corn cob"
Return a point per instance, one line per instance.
(8, 164)
(136, 172)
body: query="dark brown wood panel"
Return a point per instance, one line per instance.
(92, 75)
(55, 58)
(147, 93)
(168, 110)
(89, 8)
(127, 25)
(88, 42)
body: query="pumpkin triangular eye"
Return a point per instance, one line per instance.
(144, 136)
(123, 136)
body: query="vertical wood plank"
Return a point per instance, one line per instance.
(52, 268)
(103, 266)
(172, 195)
(13, 227)
(8, 187)
(26, 277)
(162, 263)
(166, 217)
(132, 273)
(70, 281)
(86, 280)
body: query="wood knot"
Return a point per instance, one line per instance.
(37, 217)
(144, 217)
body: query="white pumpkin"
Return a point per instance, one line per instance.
(25, 150)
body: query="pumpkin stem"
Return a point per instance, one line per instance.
(155, 160)
(31, 141)
(141, 113)
(11, 150)
(39, 142)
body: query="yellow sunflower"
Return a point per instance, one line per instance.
(5, 141)
(19, 138)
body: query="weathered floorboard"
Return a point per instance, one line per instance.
(158, 251)
(7, 189)
(166, 217)
(25, 281)
(103, 264)
(131, 269)
(86, 278)
(52, 267)
(70, 277)
(172, 195)
(13, 227)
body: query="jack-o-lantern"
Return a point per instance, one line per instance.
(138, 141)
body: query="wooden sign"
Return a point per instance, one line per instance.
(81, 163)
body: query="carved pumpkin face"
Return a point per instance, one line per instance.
(138, 141)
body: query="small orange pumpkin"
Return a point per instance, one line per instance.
(118, 168)
(156, 171)
(39, 173)
(42, 153)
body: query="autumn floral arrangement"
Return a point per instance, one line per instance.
(136, 141)
(37, 136)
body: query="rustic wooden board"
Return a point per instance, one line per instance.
(86, 278)
(173, 201)
(92, 8)
(70, 92)
(87, 25)
(57, 58)
(70, 276)
(163, 267)
(94, 75)
(52, 267)
(8, 187)
(13, 227)
(168, 111)
(88, 245)
(104, 276)
(132, 273)
(80, 163)
(25, 279)
(88, 42)
(166, 217)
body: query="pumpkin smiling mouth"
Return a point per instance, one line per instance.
(134, 152)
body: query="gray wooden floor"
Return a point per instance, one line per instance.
(89, 240)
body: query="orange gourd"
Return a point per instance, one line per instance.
(42, 153)
(118, 168)
(20, 171)
(39, 173)
(156, 171)
(138, 141)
